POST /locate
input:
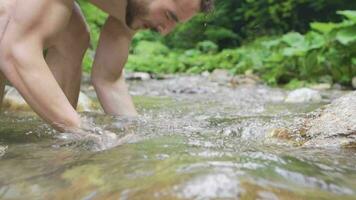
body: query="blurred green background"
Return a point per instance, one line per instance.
(285, 42)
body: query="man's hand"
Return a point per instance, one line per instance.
(99, 138)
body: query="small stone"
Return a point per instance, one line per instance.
(14, 101)
(337, 86)
(142, 76)
(85, 104)
(220, 76)
(7, 88)
(280, 133)
(245, 80)
(3, 150)
(354, 82)
(303, 95)
(86, 79)
(205, 74)
(321, 86)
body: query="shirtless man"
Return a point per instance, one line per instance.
(51, 84)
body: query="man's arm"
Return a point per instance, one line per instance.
(23, 64)
(107, 74)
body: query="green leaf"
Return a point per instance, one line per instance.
(324, 27)
(347, 35)
(350, 14)
(353, 61)
(294, 39)
(315, 40)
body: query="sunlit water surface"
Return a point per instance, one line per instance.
(187, 145)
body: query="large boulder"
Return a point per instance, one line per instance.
(334, 125)
(13, 101)
(304, 95)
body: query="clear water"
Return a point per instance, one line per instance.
(205, 145)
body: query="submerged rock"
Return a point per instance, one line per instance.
(303, 95)
(13, 101)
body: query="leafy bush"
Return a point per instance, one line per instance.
(234, 21)
(325, 54)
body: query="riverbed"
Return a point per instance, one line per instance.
(195, 139)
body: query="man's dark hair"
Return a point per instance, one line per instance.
(206, 6)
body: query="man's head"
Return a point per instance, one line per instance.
(163, 15)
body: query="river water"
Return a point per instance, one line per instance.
(194, 140)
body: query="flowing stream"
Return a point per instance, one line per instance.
(194, 140)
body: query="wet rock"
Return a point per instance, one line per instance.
(335, 125)
(86, 79)
(85, 104)
(335, 142)
(245, 80)
(142, 76)
(189, 90)
(2, 150)
(14, 101)
(303, 95)
(280, 133)
(337, 86)
(354, 82)
(220, 76)
(7, 88)
(205, 74)
(321, 86)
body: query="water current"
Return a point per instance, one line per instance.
(194, 140)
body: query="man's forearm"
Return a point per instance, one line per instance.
(114, 97)
(29, 73)
(107, 73)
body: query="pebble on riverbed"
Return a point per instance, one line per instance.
(223, 77)
(281, 133)
(303, 95)
(2, 150)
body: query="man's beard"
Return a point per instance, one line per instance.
(136, 9)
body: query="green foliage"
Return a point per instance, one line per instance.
(325, 54)
(234, 21)
(95, 19)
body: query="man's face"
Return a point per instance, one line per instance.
(161, 15)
